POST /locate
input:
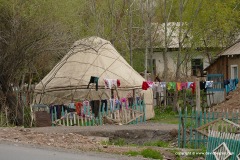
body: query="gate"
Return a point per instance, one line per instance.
(217, 88)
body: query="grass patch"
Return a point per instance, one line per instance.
(132, 153)
(167, 116)
(146, 153)
(150, 153)
(117, 142)
(157, 143)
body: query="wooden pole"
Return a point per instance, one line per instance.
(134, 97)
(165, 97)
(198, 97)
(157, 99)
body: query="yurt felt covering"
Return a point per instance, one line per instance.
(68, 80)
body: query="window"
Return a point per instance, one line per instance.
(197, 66)
(234, 71)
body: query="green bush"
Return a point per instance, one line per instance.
(150, 153)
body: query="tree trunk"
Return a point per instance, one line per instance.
(165, 59)
(178, 70)
(11, 101)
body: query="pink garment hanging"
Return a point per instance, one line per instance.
(184, 85)
(150, 84)
(125, 101)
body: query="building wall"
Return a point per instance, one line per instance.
(172, 61)
(223, 66)
(233, 60)
(218, 67)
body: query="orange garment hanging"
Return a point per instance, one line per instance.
(179, 86)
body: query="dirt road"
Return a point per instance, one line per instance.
(77, 138)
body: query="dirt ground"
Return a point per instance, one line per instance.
(90, 138)
(232, 103)
(77, 138)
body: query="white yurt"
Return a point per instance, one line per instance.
(89, 58)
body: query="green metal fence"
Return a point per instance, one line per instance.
(224, 146)
(194, 126)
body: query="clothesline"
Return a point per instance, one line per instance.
(160, 86)
(108, 83)
(94, 106)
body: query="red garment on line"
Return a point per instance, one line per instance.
(118, 82)
(145, 85)
(78, 107)
(193, 86)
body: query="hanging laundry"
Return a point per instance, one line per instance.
(93, 80)
(202, 86)
(138, 100)
(78, 108)
(235, 82)
(104, 106)
(86, 103)
(118, 83)
(184, 85)
(171, 85)
(155, 84)
(157, 87)
(163, 84)
(57, 110)
(150, 84)
(86, 108)
(179, 87)
(209, 84)
(130, 101)
(117, 104)
(231, 85)
(72, 106)
(112, 107)
(193, 86)
(109, 83)
(145, 85)
(189, 84)
(95, 107)
(124, 103)
(226, 85)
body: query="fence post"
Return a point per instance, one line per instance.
(198, 97)
(179, 128)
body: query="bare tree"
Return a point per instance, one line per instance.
(23, 39)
